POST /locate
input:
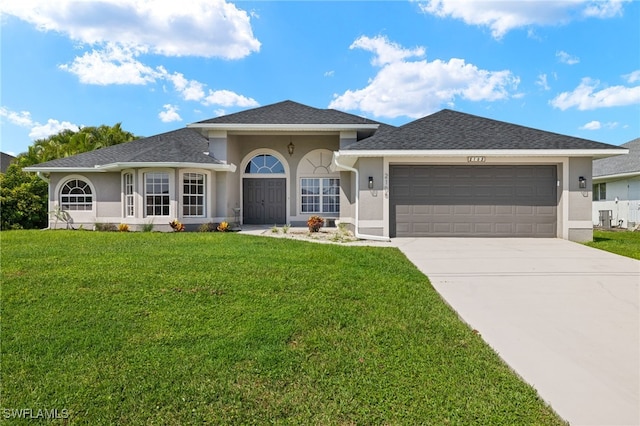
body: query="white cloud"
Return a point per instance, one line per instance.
(169, 114)
(633, 77)
(565, 58)
(329, 73)
(191, 90)
(113, 65)
(52, 127)
(596, 125)
(504, 16)
(542, 82)
(22, 118)
(227, 98)
(592, 125)
(385, 51)
(206, 28)
(418, 88)
(37, 130)
(587, 97)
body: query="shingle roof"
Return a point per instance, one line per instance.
(184, 146)
(452, 130)
(620, 164)
(289, 112)
(5, 161)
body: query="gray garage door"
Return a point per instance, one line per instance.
(473, 201)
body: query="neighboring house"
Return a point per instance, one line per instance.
(5, 161)
(447, 174)
(616, 189)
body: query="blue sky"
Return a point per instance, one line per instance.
(571, 67)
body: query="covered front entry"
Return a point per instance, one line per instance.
(473, 201)
(264, 201)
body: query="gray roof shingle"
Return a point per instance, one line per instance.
(289, 112)
(620, 164)
(183, 145)
(452, 130)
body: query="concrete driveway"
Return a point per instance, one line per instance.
(564, 316)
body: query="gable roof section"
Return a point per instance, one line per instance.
(289, 112)
(620, 165)
(178, 146)
(451, 130)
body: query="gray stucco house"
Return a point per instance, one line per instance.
(616, 188)
(447, 174)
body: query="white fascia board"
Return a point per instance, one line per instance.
(237, 127)
(62, 169)
(121, 166)
(207, 166)
(616, 176)
(481, 152)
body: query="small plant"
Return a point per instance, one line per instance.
(224, 227)
(148, 227)
(105, 227)
(315, 223)
(285, 228)
(62, 215)
(123, 227)
(274, 229)
(207, 227)
(176, 225)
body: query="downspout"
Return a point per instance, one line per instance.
(357, 234)
(41, 176)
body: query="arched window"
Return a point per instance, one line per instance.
(264, 164)
(76, 195)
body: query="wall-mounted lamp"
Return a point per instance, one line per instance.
(370, 182)
(582, 182)
(291, 147)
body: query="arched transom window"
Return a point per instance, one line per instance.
(264, 164)
(76, 195)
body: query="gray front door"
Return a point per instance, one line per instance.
(264, 201)
(473, 201)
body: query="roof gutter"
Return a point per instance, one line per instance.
(596, 153)
(617, 176)
(351, 169)
(43, 177)
(120, 166)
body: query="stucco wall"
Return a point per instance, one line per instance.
(579, 223)
(371, 200)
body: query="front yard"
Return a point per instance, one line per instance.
(187, 328)
(626, 243)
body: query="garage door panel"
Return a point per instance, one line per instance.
(473, 201)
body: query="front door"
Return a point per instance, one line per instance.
(264, 201)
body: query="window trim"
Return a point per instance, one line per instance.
(206, 198)
(63, 182)
(321, 195)
(171, 175)
(126, 198)
(597, 191)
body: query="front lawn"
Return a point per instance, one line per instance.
(626, 243)
(188, 328)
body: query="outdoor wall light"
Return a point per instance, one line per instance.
(370, 182)
(582, 182)
(291, 147)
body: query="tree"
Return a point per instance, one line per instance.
(24, 196)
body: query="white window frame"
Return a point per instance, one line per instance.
(202, 196)
(597, 191)
(323, 183)
(129, 193)
(169, 194)
(61, 196)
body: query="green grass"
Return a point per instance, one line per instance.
(619, 242)
(186, 328)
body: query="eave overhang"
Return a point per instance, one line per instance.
(235, 128)
(114, 167)
(594, 153)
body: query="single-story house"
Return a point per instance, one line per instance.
(447, 174)
(616, 189)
